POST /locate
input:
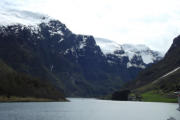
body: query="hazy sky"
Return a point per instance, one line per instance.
(151, 22)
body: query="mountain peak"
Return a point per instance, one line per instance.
(110, 47)
(176, 44)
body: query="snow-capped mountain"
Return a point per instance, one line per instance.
(41, 46)
(138, 55)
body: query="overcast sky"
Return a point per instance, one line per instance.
(151, 22)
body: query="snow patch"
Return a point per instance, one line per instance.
(129, 65)
(72, 50)
(56, 33)
(34, 29)
(60, 40)
(109, 61)
(66, 51)
(107, 46)
(147, 58)
(82, 43)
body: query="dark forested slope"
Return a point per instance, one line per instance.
(21, 85)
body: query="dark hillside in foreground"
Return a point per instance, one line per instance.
(23, 86)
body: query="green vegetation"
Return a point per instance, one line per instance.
(161, 89)
(16, 86)
(27, 99)
(158, 83)
(154, 96)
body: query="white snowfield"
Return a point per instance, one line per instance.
(28, 19)
(148, 55)
(14, 16)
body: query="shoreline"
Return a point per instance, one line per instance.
(4, 99)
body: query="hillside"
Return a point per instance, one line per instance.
(21, 87)
(170, 62)
(161, 78)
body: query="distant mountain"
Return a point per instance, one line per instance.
(47, 49)
(130, 58)
(147, 55)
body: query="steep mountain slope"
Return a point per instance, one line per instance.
(169, 82)
(22, 85)
(162, 78)
(170, 62)
(72, 62)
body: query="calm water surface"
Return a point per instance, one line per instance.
(88, 109)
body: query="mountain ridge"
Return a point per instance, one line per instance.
(74, 63)
(140, 51)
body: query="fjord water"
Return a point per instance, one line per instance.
(88, 109)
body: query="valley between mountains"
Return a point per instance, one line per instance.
(47, 61)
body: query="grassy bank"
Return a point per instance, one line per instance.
(28, 99)
(153, 96)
